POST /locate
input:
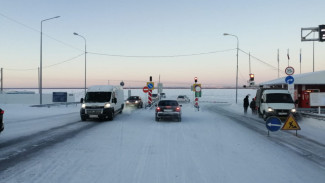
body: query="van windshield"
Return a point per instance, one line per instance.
(98, 97)
(278, 98)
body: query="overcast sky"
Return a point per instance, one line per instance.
(177, 39)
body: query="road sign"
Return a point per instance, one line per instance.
(151, 85)
(273, 124)
(291, 124)
(196, 87)
(198, 94)
(289, 80)
(289, 70)
(145, 89)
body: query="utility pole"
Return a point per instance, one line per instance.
(278, 63)
(1, 80)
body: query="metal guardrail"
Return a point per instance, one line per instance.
(312, 113)
(56, 104)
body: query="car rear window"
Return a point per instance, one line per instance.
(168, 103)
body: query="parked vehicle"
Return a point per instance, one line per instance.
(134, 101)
(183, 98)
(168, 109)
(274, 102)
(154, 97)
(102, 101)
(1, 120)
(162, 95)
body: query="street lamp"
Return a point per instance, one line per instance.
(85, 59)
(40, 74)
(226, 34)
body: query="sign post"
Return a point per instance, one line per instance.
(197, 89)
(291, 124)
(273, 124)
(151, 86)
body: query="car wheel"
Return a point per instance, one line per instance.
(179, 119)
(83, 118)
(157, 119)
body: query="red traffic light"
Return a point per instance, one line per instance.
(251, 77)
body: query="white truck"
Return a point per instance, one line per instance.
(103, 102)
(274, 102)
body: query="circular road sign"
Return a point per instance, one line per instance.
(289, 80)
(197, 88)
(150, 85)
(145, 89)
(289, 70)
(273, 124)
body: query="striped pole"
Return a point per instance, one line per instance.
(150, 97)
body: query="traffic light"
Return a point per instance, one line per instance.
(251, 77)
(195, 79)
(321, 31)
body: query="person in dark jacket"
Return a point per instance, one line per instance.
(252, 105)
(246, 104)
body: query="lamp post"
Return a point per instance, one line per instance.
(40, 74)
(85, 59)
(226, 34)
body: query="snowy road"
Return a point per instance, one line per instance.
(207, 146)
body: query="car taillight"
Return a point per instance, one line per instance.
(178, 109)
(2, 112)
(157, 109)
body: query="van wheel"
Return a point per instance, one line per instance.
(264, 116)
(111, 116)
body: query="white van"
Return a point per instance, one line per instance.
(103, 102)
(274, 102)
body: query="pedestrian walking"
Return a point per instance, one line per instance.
(246, 104)
(252, 105)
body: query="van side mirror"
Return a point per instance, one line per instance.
(81, 100)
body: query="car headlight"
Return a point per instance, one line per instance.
(127, 101)
(136, 101)
(107, 105)
(293, 110)
(270, 109)
(83, 106)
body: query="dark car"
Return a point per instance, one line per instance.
(168, 109)
(162, 95)
(1, 120)
(134, 101)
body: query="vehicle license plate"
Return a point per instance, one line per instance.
(93, 116)
(282, 113)
(168, 110)
(94, 112)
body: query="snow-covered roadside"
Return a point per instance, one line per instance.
(21, 119)
(310, 128)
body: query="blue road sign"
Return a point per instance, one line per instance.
(289, 80)
(150, 85)
(273, 124)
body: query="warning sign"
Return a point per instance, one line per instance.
(291, 124)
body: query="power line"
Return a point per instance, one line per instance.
(70, 59)
(36, 30)
(162, 56)
(252, 56)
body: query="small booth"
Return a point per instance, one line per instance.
(303, 85)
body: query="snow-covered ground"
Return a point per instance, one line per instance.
(206, 146)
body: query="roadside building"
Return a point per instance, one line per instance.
(303, 85)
